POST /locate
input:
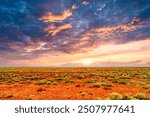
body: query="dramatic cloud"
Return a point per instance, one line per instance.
(52, 30)
(74, 32)
(85, 3)
(117, 33)
(49, 17)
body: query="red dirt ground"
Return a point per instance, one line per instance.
(72, 91)
(79, 89)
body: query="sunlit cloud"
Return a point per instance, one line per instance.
(133, 53)
(74, 7)
(85, 3)
(35, 47)
(116, 33)
(50, 17)
(53, 30)
(74, 33)
(123, 53)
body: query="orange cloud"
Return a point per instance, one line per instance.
(74, 7)
(85, 3)
(122, 28)
(136, 52)
(113, 32)
(53, 30)
(122, 53)
(35, 46)
(49, 17)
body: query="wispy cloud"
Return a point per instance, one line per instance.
(53, 30)
(85, 3)
(117, 33)
(50, 17)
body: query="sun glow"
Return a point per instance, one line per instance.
(87, 62)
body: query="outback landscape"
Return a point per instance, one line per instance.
(43, 83)
(86, 50)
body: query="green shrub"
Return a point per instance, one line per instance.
(91, 81)
(115, 96)
(79, 76)
(141, 96)
(43, 82)
(60, 78)
(146, 86)
(127, 97)
(119, 81)
(69, 80)
(96, 85)
(48, 82)
(106, 84)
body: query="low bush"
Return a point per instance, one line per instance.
(141, 96)
(128, 97)
(43, 82)
(115, 96)
(96, 85)
(69, 80)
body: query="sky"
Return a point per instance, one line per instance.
(75, 33)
